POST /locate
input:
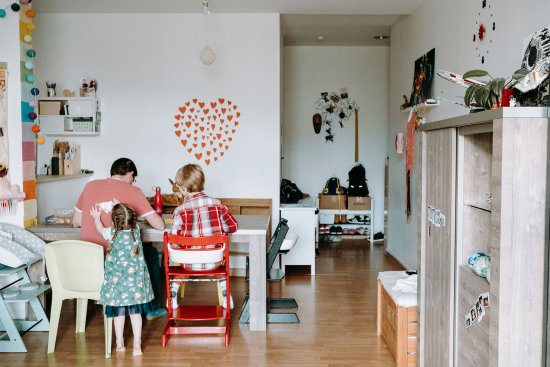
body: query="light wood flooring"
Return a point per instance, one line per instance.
(337, 311)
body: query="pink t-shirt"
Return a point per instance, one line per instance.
(102, 192)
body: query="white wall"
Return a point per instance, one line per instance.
(308, 160)
(10, 53)
(146, 67)
(448, 26)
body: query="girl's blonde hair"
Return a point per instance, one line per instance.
(191, 178)
(124, 218)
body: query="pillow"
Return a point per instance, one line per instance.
(23, 248)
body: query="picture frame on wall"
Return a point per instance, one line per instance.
(424, 70)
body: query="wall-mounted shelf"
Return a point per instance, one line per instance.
(64, 116)
(52, 178)
(422, 105)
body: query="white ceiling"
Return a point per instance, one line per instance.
(340, 22)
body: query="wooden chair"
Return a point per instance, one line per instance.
(191, 251)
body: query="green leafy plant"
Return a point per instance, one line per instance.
(485, 96)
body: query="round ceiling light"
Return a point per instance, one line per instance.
(381, 37)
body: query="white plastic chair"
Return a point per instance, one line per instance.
(75, 269)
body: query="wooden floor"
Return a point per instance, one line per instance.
(337, 310)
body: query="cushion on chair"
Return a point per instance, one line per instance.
(197, 256)
(289, 242)
(19, 246)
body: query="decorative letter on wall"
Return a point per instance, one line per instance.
(206, 129)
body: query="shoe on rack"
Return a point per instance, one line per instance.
(352, 231)
(224, 294)
(360, 231)
(339, 230)
(345, 231)
(332, 230)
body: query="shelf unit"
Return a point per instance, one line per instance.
(15, 329)
(70, 116)
(368, 213)
(488, 174)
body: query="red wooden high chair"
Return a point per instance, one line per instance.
(186, 254)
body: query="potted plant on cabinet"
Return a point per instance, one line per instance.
(485, 95)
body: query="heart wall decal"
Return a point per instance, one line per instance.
(206, 129)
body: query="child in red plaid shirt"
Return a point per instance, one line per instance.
(198, 216)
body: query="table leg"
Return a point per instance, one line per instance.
(258, 294)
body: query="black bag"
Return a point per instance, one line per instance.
(357, 182)
(332, 187)
(290, 193)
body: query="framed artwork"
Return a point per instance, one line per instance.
(424, 68)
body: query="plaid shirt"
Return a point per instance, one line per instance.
(202, 216)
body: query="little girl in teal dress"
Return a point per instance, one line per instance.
(126, 288)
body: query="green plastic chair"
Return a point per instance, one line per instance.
(75, 269)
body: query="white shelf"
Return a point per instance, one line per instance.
(71, 133)
(421, 105)
(52, 178)
(345, 211)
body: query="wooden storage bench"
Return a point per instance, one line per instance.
(397, 318)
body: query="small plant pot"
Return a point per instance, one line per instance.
(505, 96)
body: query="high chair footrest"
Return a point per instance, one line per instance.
(275, 274)
(198, 313)
(282, 318)
(282, 303)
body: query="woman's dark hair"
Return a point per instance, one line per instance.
(122, 166)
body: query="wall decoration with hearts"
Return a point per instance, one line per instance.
(206, 129)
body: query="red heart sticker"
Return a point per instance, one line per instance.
(209, 127)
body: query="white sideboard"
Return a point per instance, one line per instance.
(302, 221)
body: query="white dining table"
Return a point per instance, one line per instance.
(252, 230)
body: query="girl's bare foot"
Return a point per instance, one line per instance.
(137, 348)
(120, 346)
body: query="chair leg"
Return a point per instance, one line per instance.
(81, 310)
(108, 325)
(54, 322)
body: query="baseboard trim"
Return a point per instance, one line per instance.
(399, 260)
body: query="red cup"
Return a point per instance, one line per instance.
(505, 96)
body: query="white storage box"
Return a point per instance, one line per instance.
(51, 124)
(81, 108)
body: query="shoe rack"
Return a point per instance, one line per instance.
(346, 223)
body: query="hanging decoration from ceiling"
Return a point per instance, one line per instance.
(332, 111)
(485, 27)
(206, 129)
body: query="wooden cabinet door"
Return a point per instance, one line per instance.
(437, 247)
